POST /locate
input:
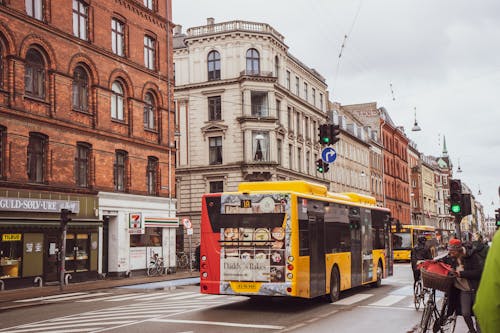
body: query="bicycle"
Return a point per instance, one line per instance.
(156, 266)
(420, 294)
(437, 320)
(182, 260)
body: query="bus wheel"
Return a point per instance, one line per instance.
(334, 286)
(378, 283)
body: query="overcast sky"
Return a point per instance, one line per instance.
(442, 58)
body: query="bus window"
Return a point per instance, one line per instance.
(337, 237)
(401, 241)
(303, 237)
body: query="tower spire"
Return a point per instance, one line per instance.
(445, 150)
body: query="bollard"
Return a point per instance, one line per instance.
(38, 280)
(67, 277)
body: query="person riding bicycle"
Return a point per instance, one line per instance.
(418, 254)
(467, 268)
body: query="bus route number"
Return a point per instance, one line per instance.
(246, 203)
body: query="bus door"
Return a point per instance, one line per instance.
(355, 225)
(317, 250)
(367, 244)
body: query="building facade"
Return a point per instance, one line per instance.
(247, 110)
(86, 124)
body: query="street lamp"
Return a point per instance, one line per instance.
(459, 170)
(415, 127)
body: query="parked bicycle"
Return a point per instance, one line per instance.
(156, 266)
(183, 260)
(420, 294)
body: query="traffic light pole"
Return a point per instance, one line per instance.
(458, 220)
(63, 253)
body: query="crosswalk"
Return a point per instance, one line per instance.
(143, 307)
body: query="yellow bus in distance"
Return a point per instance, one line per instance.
(405, 238)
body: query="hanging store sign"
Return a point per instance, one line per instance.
(136, 224)
(38, 205)
(11, 237)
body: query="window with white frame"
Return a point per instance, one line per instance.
(213, 64)
(117, 97)
(80, 19)
(260, 146)
(118, 37)
(149, 4)
(149, 52)
(306, 91)
(34, 8)
(253, 62)
(149, 112)
(215, 150)
(259, 104)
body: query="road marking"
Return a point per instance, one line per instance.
(217, 323)
(388, 300)
(76, 297)
(352, 299)
(46, 326)
(44, 298)
(183, 297)
(104, 298)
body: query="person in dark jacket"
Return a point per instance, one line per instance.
(419, 253)
(467, 268)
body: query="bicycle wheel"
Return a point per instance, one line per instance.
(417, 294)
(182, 261)
(428, 319)
(447, 325)
(152, 269)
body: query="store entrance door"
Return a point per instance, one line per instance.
(51, 267)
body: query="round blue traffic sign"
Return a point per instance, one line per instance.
(328, 155)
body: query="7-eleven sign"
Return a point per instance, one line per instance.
(136, 224)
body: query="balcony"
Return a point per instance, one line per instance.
(231, 26)
(248, 72)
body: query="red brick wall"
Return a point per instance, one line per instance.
(54, 117)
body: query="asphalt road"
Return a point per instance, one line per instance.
(182, 309)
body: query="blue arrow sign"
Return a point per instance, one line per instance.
(328, 155)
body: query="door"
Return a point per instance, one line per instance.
(317, 255)
(355, 251)
(51, 267)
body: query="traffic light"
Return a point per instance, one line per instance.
(65, 217)
(497, 218)
(324, 134)
(320, 166)
(334, 133)
(456, 197)
(326, 167)
(466, 204)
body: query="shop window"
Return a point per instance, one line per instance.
(77, 252)
(11, 250)
(151, 237)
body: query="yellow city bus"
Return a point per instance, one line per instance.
(405, 238)
(292, 238)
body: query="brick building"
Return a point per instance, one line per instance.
(85, 124)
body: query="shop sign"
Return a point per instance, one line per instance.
(136, 224)
(11, 237)
(38, 205)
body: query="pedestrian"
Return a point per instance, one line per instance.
(418, 254)
(487, 306)
(197, 257)
(467, 270)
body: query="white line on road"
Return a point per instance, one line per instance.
(105, 298)
(217, 323)
(43, 298)
(388, 300)
(352, 299)
(76, 297)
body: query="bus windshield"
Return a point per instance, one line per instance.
(401, 241)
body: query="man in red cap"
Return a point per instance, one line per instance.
(467, 269)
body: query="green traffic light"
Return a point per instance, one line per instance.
(326, 140)
(456, 208)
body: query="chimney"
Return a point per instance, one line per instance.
(177, 30)
(210, 21)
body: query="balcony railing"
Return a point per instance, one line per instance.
(256, 73)
(234, 26)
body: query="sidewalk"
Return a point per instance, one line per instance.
(8, 297)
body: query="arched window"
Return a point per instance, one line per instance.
(80, 89)
(253, 62)
(213, 66)
(34, 74)
(117, 101)
(149, 111)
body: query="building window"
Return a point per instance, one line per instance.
(278, 110)
(253, 62)
(217, 187)
(118, 37)
(34, 9)
(214, 108)
(297, 85)
(313, 96)
(288, 80)
(215, 150)
(117, 101)
(80, 19)
(152, 175)
(149, 4)
(80, 89)
(277, 67)
(119, 168)
(299, 159)
(290, 156)
(213, 63)
(260, 146)
(259, 104)
(34, 74)
(290, 114)
(3, 144)
(149, 52)
(279, 150)
(149, 112)
(1, 63)
(37, 157)
(82, 163)
(321, 101)
(306, 91)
